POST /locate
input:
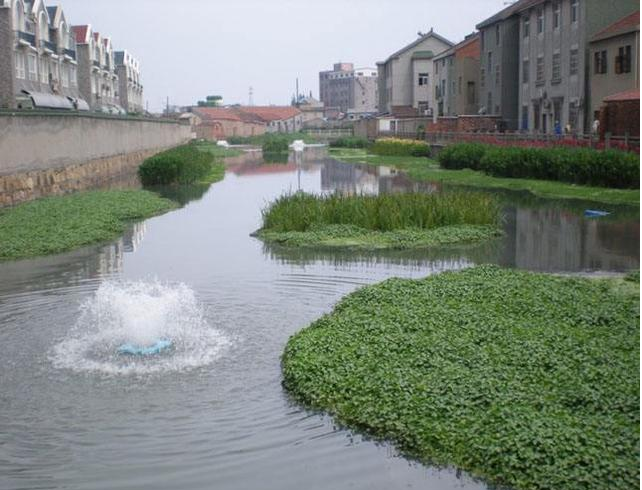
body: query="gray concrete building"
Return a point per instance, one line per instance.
(456, 74)
(406, 78)
(38, 66)
(614, 55)
(349, 90)
(534, 61)
(130, 87)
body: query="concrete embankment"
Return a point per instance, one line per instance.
(52, 154)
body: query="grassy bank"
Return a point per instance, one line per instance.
(413, 220)
(58, 224)
(527, 380)
(423, 169)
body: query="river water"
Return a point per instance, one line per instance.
(211, 413)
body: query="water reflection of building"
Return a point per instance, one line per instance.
(552, 239)
(133, 237)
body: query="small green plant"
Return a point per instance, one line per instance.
(400, 147)
(275, 144)
(462, 155)
(181, 165)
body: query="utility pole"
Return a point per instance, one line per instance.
(296, 97)
(251, 97)
(167, 106)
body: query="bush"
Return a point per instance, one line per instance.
(583, 166)
(352, 142)
(275, 144)
(181, 165)
(400, 147)
(464, 155)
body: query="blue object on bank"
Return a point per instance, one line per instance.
(593, 213)
(150, 350)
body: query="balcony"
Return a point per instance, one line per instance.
(96, 64)
(26, 38)
(70, 53)
(49, 46)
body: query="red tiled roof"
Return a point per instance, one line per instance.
(633, 94)
(630, 23)
(81, 33)
(216, 113)
(271, 113)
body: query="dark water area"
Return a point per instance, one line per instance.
(212, 413)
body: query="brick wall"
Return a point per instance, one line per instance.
(462, 124)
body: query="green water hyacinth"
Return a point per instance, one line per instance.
(526, 380)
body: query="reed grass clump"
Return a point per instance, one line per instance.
(185, 164)
(385, 212)
(400, 147)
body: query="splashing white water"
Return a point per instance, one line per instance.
(139, 313)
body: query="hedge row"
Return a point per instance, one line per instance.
(181, 165)
(400, 147)
(350, 142)
(608, 168)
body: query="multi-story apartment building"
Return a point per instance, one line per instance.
(614, 55)
(97, 78)
(406, 77)
(38, 65)
(456, 75)
(130, 87)
(534, 61)
(351, 91)
(498, 70)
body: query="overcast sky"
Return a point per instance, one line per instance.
(192, 48)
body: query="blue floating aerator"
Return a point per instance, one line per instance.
(593, 213)
(150, 350)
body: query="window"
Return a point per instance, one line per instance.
(497, 77)
(573, 113)
(73, 76)
(574, 10)
(436, 67)
(556, 14)
(623, 60)
(452, 87)
(483, 40)
(574, 65)
(497, 36)
(64, 72)
(32, 63)
(459, 86)
(490, 62)
(600, 64)
(526, 27)
(557, 67)
(482, 78)
(471, 93)
(526, 71)
(423, 79)
(489, 107)
(540, 20)
(443, 88)
(539, 72)
(20, 66)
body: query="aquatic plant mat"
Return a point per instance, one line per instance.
(57, 224)
(396, 221)
(526, 380)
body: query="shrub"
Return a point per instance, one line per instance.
(583, 166)
(352, 142)
(400, 147)
(386, 212)
(464, 155)
(275, 144)
(181, 165)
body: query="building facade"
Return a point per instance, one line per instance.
(406, 78)
(348, 90)
(38, 67)
(534, 63)
(614, 57)
(130, 87)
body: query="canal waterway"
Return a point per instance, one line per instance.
(211, 412)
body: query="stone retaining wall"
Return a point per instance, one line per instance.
(53, 154)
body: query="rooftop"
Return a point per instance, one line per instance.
(630, 23)
(416, 42)
(633, 94)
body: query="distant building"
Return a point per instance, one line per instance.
(614, 60)
(405, 79)
(312, 110)
(219, 123)
(279, 119)
(37, 58)
(456, 74)
(349, 90)
(130, 88)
